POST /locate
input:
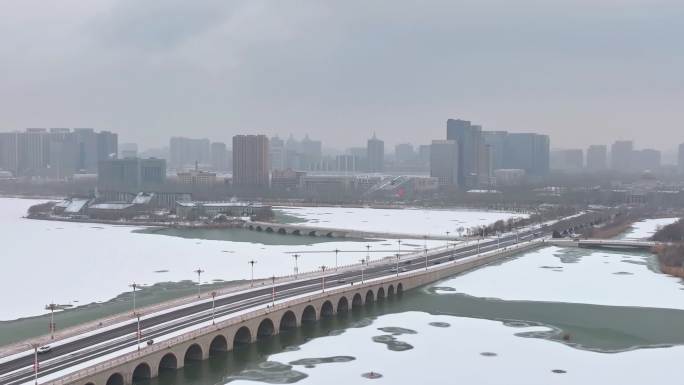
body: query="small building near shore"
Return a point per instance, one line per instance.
(195, 210)
(113, 210)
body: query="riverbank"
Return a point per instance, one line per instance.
(671, 256)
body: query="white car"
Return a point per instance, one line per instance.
(44, 349)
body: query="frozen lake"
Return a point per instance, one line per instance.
(80, 263)
(406, 221)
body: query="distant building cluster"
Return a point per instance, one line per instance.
(57, 153)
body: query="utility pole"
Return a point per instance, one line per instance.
(137, 315)
(36, 366)
(397, 264)
(251, 281)
(52, 307)
(273, 291)
(296, 268)
(368, 253)
(199, 281)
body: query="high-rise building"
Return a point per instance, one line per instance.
(444, 162)
(621, 155)
(62, 153)
(277, 153)
(312, 152)
(219, 156)
(375, 154)
(187, 152)
(529, 152)
(571, 160)
(250, 161)
(497, 144)
(107, 145)
(470, 146)
(681, 158)
(9, 152)
(131, 174)
(597, 157)
(404, 152)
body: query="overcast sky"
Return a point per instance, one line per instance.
(584, 71)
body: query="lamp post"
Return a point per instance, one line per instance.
(199, 281)
(213, 307)
(296, 268)
(425, 242)
(426, 258)
(323, 278)
(368, 253)
(447, 240)
(478, 246)
(397, 255)
(336, 251)
(498, 240)
(52, 307)
(273, 291)
(251, 280)
(399, 243)
(36, 366)
(135, 286)
(139, 334)
(363, 261)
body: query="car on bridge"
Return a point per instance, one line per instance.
(44, 349)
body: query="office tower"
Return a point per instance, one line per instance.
(9, 152)
(62, 153)
(597, 157)
(571, 160)
(529, 152)
(424, 153)
(470, 145)
(33, 152)
(107, 145)
(312, 152)
(375, 154)
(496, 140)
(444, 162)
(250, 161)
(404, 152)
(187, 152)
(681, 158)
(621, 154)
(128, 150)
(131, 174)
(219, 156)
(277, 153)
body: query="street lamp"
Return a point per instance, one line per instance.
(425, 241)
(296, 268)
(251, 282)
(399, 242)
(36, 367)
(367, 253)
(426, 258)
(362, 266)
(397, 264)
(199, 281)
(273, 291)
(137, 315)
(447, 240)
(323, 276)
(135, 286)
(478, 246)
(52, 307)
(336, 251)
(213, 307)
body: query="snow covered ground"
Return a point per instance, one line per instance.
(646, 228)
(408, 221)
(79, 263)
(600, 277)
(477, 352)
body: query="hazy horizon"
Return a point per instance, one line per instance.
(583, 72)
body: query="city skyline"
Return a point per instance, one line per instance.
(619, 72)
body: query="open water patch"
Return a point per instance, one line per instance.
(270, 372)
(392, 343)
(397, 331)
(312, 362)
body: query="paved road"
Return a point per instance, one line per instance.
(20, 370)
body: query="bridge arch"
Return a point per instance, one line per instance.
(259, 228)
(282, 231)
(312, 233)
(89, 383)
(381, 294)
(288, 321)
(269, 229)
(193, 353)
(357, 301)
(342, 305)
(242, 337)
(266, 329)
(296, 232)
(142, 372)
(327, 310)
(251, 227)
(218, 345)
(400, 289)
(115, 379)
(390, 291)
(370, 297)
(309, 314)
(330, 235)
(169, 361)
